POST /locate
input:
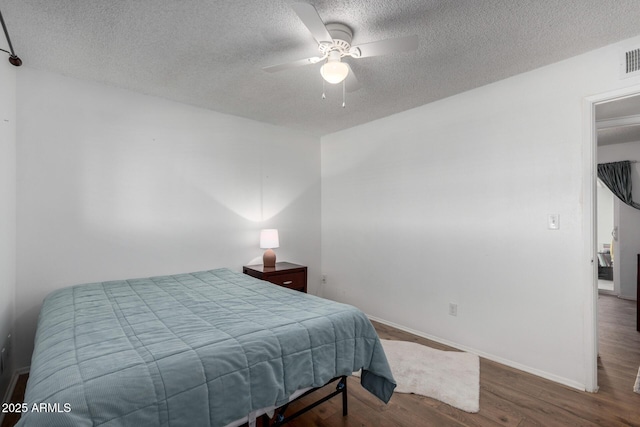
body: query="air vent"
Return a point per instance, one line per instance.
(630, 63)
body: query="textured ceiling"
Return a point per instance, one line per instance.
(211, 53)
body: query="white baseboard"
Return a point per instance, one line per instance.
(510, 363)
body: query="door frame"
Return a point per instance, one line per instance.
(590, 175)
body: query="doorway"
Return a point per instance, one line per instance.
(614, 136)
(617, 124)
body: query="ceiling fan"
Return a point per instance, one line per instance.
(334, 43)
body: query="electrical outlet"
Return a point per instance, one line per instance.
(324, 279)
(553, 222)
(453, 309)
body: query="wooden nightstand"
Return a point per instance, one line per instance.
(292, 276)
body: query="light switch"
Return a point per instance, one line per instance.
(553, 221)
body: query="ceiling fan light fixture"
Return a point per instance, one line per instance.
(334, 71)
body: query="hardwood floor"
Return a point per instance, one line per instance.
(10, 419)
(508, 397)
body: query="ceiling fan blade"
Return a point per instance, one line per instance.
(310, 18)
(351, 83)
(383, 47)
(294, 64)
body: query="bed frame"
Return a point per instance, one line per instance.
(279, 418)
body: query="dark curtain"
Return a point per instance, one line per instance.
(617, 176)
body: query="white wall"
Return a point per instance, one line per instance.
(627, 248)
(7, 212)
(114, 184)
(448, 202)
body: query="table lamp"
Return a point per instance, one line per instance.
(269, 240)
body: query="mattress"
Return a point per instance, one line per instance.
(204, 348)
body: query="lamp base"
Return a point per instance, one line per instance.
(269, 258)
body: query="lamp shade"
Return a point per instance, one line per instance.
(269, 238)
(334, 71)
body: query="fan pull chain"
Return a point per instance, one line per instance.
(344, 95)
(323, 95)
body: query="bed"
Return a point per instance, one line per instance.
(210, 348)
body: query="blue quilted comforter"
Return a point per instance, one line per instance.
(198, 349)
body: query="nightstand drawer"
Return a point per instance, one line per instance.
(286, 274)
(290, 280)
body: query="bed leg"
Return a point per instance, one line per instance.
(342, 386)
(279, 418)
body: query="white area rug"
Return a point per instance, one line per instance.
(452, 377)
(636, 386)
